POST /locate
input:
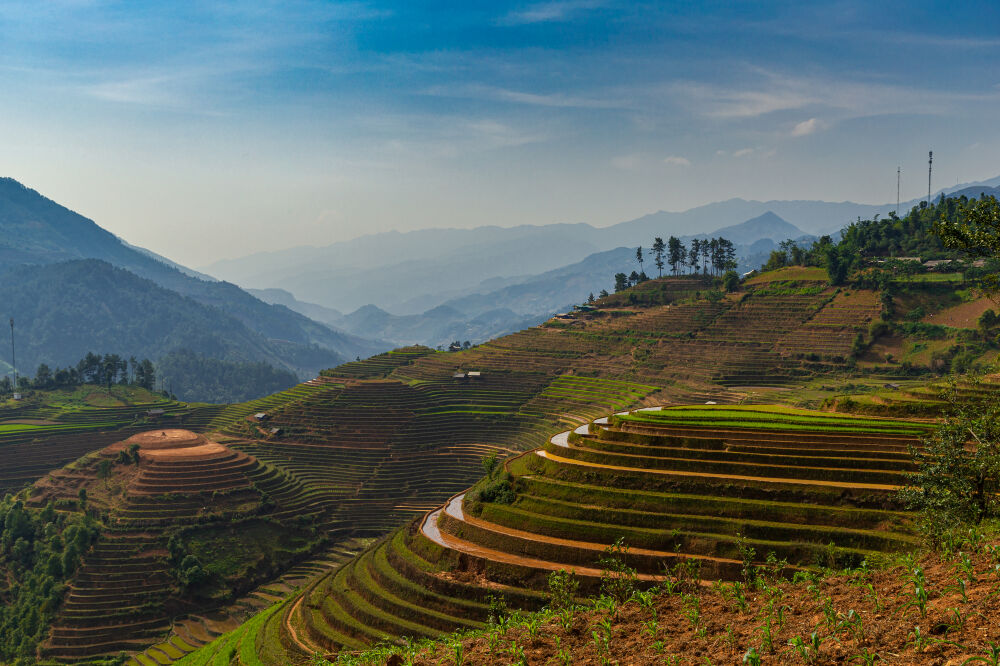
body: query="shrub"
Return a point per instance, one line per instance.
(563, 587)
(958, 473)
(499, 491)
(618, 580)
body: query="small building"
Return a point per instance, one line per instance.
(475, 374)
(892, 387)
(155, 412)
(261, 416)
(275, 432)
(458, 375)
(17, 396)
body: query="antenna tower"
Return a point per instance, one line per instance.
(930, 165)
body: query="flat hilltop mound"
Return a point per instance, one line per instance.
(156, 440)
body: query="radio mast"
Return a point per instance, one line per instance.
(930, 165)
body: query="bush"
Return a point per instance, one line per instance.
(499, 491)
(618, 580)
(958, 473)
(563, 588)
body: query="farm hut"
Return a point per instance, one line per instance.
(261, 416)
(155, 412)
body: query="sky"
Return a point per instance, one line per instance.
(209, 130)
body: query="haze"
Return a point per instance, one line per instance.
(211, 132)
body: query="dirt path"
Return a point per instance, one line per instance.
(735, 477)
(291, 630)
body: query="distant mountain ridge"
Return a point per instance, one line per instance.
(45, 238)
(442, 264)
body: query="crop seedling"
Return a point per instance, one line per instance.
(517, 654)
(752, 658)
(458, 649)
(853, 625)
(766, 637)
(809, 651)
(917, 639)
(830, 614)
(866, 657)
(990, 656)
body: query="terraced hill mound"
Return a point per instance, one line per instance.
(52, 428)
(166, 495)
(702, 489)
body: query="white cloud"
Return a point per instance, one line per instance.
(676, 160)
(743, 152)
(556, 100)
(807, 127)
(543, 12)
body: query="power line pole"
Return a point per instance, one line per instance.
(930, 165)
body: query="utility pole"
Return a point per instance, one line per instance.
(930, 165)
(13, 361)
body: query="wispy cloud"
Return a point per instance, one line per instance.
(676, 160)
(807, 127)
(543, 12)
(556, 100)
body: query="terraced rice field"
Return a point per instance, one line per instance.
(123, 597)
(694, 486)
(35, 440)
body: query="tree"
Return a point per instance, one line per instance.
(693, 254)
(659, 247)
(957, 475)
(621, 282)
(603, 293)
(706, 247)
(591, 299)
(639, 257)
(675, 253)
(146, 375)
(43, 376)
(633, 279)
(731, 281)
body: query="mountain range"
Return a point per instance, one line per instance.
(73, 287)
(307, 308)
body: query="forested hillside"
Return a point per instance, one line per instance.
(66, 309)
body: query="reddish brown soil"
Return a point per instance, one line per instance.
(171, 438)
(725, 632)
(965, 315)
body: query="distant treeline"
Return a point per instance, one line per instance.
(713, 256)
(92, 369)
(203, 379)
(896, 241)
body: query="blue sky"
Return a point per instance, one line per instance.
(206, 130)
